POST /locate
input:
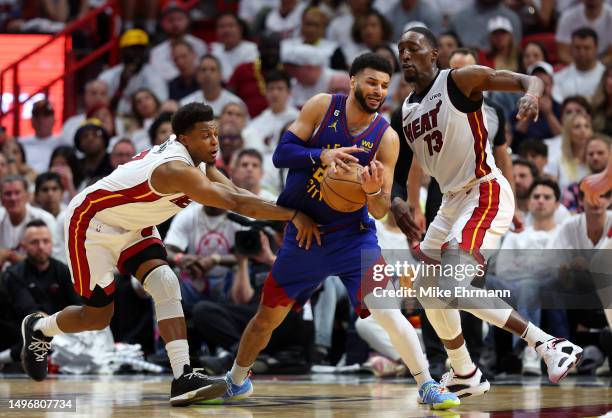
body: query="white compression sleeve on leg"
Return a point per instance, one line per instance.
(163, 286)
(446, 322)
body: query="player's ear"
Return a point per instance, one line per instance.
(434, 55)
(353, 82)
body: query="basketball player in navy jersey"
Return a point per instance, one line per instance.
(330, 131)
(444, 126)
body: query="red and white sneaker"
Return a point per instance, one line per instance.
(560, 357)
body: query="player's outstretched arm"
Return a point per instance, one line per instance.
(377, 178)
(475, 79)
(179, 177)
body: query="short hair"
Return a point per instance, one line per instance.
(387, 29)
(585, 32)
(431, 38)
(537, 146)
(13, 178)
(464, 51)
(181, 41)
(42, 178)
(548, 182)
(453, 35)
(598, 136)
(163, 117)
(244, 27)
(370, 60)
(250, 152)
(36, 223)
(581, 100)
(124, 140)
(187, 116)
(531, 166)
(212, 57)
(277, 75)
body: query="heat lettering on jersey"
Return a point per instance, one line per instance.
(141, 155)
(313, 186)
(421, 125)
(181, 201)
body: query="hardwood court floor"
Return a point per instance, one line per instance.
(316, 396)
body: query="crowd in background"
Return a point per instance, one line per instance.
(266, 59)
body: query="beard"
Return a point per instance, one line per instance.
(364, 104)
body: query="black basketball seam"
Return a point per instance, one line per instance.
(339, 195)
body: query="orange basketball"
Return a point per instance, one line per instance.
(342, 190)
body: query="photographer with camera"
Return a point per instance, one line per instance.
(222, 323)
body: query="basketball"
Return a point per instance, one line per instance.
(342, 190)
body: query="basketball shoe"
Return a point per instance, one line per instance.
(560, 357)
(471, 385)
(237, 392)
(438, 397)
(193, 386)
(36, 346)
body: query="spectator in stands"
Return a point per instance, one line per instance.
(92, 140)
(65, 162)
(471, 22)
(339, 29)
(519, 268)
(211, 90)
(249, 11)
(15, 213)
(115, 126)
(38, 147)
(312, 32)
(133, 72)
(232, 49)
(571, 164)
(199, 244)
(570, 106)
(385, 51)
(593, 14)
(536, 151)
(95, 94)
(145, 107)
(583, 74)
(261, 131)
(248, 78)
(48, 193)
(129, 10)
(248, 173)
(230, 141)
(38, 283)
(368, 31)
(406, 11)
(4, 169)
(602, 104)
(306, 64)
(447, 43)
(174, 22)
(122, 152)
(40, 17)
(525, 173)
(160, 129)
(16, 159)
(285, 17)
(597, 154)
(503, 52)
(536, 17)
(186, 62)
(233, 114)
(547, 124)
(531, 53)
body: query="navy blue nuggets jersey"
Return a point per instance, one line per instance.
(303, 186)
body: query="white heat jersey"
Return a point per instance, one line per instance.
(450, 145)
(126, 199)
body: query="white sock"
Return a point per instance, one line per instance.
(239, 373)
(48, 325)
(405, 341)
(460, 360)
(534, 336)
(178, 353)
(5, 356)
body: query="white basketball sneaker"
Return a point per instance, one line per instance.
(560, 357)
(463, 386)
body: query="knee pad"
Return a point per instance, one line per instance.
(163, 286)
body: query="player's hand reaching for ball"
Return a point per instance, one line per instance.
(340, 157)
(306, 230)
(528, 107)
(372, 177)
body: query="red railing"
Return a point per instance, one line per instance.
(70, 65)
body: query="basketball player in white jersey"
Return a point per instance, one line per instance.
(444, 125)
(112, 224)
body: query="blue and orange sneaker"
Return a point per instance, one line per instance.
(437, 396)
